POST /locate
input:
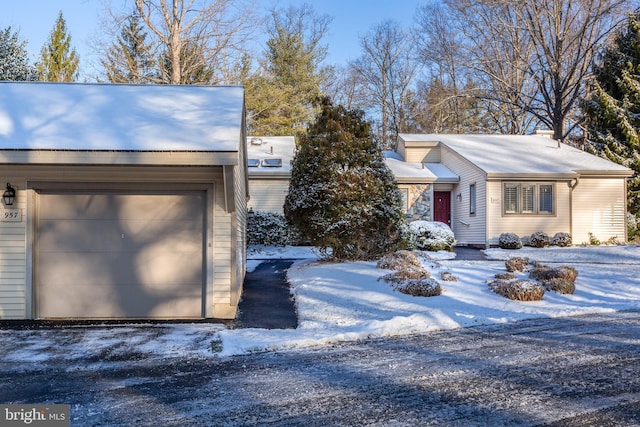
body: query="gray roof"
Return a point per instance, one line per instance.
(78, 116)
(521, 154)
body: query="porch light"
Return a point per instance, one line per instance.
(9, 195)
(459, 197)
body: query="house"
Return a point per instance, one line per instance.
(486, 185)
(130, 201)
(269, 162)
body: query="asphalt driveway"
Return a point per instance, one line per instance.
(577, 371)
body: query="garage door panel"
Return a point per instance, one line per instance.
(121, 301)
(120, 255)
(112, 235)
(152, 269)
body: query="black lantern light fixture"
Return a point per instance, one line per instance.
(9, 195)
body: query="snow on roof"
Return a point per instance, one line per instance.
(114, 117)
(268, 148)
(418, 172)
(520, 154)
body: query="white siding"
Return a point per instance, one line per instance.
(599, 206)
(422, 154)
(267, 195)
(468, 229)
(525, 225)
(13, 261)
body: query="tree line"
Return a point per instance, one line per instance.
(464, 66)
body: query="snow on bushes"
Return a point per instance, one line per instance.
(560, 279)
(431, 236)
(266, 228)
(561, 239)
(509, 241)
(539, 239)
(510, 285)
(426, 287)
(516, 264)
(516, 289)
(409, 275)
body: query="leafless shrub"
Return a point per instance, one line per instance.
(560, 279)
(399, 260)
(426, 287)
(407, 273)
(519, 290)
(505, 276)
(517, 264)
(448, 277)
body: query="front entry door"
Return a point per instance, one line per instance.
(442, 207)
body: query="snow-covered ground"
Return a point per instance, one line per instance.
(347, 301)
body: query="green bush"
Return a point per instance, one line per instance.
(271, 229)
(539, 239)
(431, 236)
(561, 239)
(509, 241)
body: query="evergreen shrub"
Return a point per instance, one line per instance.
(267, 228)
(431, 236)
(509, 241)
(539, 239)
(561, 239)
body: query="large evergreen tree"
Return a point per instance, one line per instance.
(14, 59)
(58, 60)
(129, 59)
(612, 109)
(291, 74)
(342, 196)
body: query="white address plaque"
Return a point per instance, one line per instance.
(11, 215)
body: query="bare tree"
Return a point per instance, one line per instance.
(533, 56)
(386, 70)
(196, 35)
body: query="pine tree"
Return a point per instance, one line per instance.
(14, 62)
(58, 60)
(291, 75)
(342, 196)
(613, 108)
(129, 59)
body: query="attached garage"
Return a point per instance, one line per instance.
(113, 254)
(125, 233)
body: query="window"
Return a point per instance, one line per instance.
(511, 198)
(528, 199)
(472, 199)
(546, 198)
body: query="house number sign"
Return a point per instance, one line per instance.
(11, 215)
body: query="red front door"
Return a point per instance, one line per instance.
(442, 207)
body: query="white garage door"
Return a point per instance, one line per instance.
(114, 255)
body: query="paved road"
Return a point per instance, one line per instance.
(581, 371)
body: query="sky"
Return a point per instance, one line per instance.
(351, 19)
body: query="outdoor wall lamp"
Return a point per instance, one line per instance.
(459, 197)
(9, 195)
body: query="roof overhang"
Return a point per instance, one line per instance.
(531, 176)
(132, 158)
